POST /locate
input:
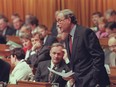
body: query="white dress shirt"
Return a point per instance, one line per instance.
(22, 71)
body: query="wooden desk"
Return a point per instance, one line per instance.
(13, 85)
(4, 50)
(112, 76)
(33, 84)
(113, 71)
(112, 80)
(15, 39)
(104, 42)
(4, 54)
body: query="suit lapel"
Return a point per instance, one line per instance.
(67, 47)
(41, 50)
(75, 42)
(59, 69)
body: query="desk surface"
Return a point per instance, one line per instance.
(33, 84)
(30, 84)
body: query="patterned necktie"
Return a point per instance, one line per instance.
(70, 43)
(51, 75)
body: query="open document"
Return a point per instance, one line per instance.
(63, 74)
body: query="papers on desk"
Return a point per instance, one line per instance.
(63, 74)
(13, 45)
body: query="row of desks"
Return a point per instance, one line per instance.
(4, 49)
(5, 53)
(30, 84)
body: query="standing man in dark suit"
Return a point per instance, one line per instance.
(86, 55)
(44, 75)
(5, 71)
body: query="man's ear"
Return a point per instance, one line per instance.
(69, 19)
(15, 57)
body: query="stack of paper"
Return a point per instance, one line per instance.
(63, 74)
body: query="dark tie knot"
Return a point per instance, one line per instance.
(70, 35)
(55, 67)
(70, 43)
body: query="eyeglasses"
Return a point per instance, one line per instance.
(60, 20)
(113, 46)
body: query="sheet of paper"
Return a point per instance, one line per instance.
(63, 74)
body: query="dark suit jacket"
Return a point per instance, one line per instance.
(50, 40)
(42, 73)
(2, 40)
(54, 30)
(41, 55)
(5, 71)
(87, 59)
(9, 31)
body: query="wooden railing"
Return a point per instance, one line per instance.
(33, 84)
(112, 76)
(30, 84)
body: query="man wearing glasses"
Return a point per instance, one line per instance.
(84, 52)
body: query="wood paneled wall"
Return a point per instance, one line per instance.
(45, 9)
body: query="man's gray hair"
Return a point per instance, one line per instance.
(57, 45)
(69, 14)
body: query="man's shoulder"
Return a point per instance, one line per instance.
(44, 62)
(51, 37)
(82, 30)
(46, 47)
(10, 29)
(4, 63)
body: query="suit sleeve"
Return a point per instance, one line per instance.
(93, 46)
(6, 73)
(37, 74)
(42, 57)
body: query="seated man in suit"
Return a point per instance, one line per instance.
(4, 28)
(44, 75)
(5, 71)
(17, 24)
(47, 39)
(38, 53)
(22, 70)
